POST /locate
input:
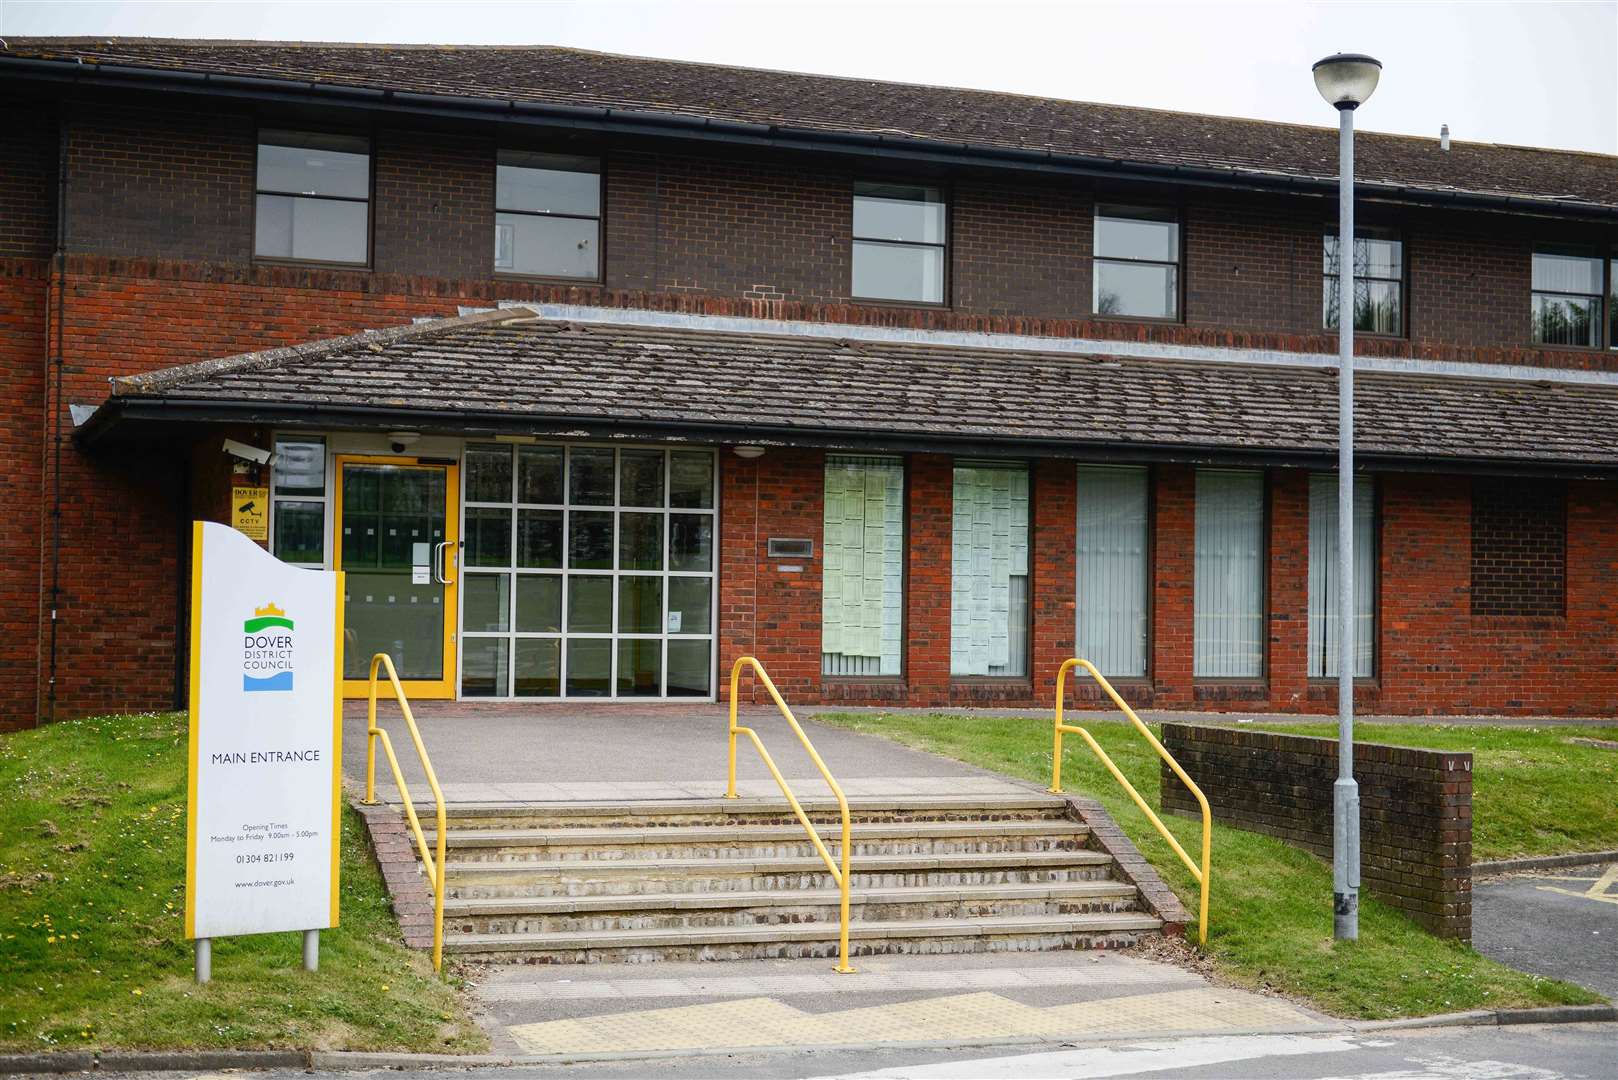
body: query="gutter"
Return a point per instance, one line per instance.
(606, 119)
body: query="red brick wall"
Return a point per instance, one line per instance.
(434, 205)
(23, 291)
(929, 555)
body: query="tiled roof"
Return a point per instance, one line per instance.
(510, 368)
(957, 118)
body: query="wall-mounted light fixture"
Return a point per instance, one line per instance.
(748, 453)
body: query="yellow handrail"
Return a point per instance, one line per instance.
(838, 875)
(435, 866)
(1201, 874)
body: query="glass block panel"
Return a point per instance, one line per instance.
(904, 272)
(590, 477)
(300, 532)
(539, 603)
(483, 667)
(589, 605)
(1142, 290)
(690, 604)
(640, 478)
(690, 668)
(640, 668)
(691, 480)
(691, 542)
(539, 472)
(590, 540)
(486, 605)
(538, 667)
(547, 246)
(640, 605)
(640, 542)
(488, 474)
(488, 536)
(300, 467)
(589, 667)
(539, 538)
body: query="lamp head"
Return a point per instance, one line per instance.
(1346, 80)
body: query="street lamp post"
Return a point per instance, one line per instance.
(1345, 80)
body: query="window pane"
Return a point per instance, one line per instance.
(589, 667)
(690, 602)
(691, 542)
(488, 536)
(1376, 305)
(899, 212)
(590, 477)
(300, 532)
(539, 539)
(548, 183)
(483, 667)
(1566, 320)
(300, 467)
(989, 571)
(1323, 576)
(1229, 588)
(640, 478)
(539, 667)
(1130, 233)
(898, 272)
(1567, 273)
(539, 475)
(590, 540)
(640, 542)
(589, 605)
(691, 480)
(640, 668)
(1612, 306)
(539, 603)
(488, 474)
(640, 605)
(1111, 568)
(863, 549)
(314, 164)
(318, 230)
(1377, 253)
(690, 668)
(547, 246)
(487, 604)
(1144, 290)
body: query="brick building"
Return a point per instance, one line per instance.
(596, 372)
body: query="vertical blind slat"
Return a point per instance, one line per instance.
(1111, 568)
(1323, 582)
(1229, 588)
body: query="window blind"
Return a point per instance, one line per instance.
(863, 567)
(1323, 581)
(1110, 570)
(989, 571)
(1228, 636)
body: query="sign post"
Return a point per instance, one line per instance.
(266, 746)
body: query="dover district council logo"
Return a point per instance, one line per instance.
(267, 650)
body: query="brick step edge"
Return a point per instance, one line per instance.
(1543, 862)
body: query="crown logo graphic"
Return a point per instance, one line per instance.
(268, 609)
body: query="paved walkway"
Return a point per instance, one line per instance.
(891, 1000)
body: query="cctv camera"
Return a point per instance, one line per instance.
(246, 453)
(400, 441)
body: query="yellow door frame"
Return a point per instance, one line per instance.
(416, 688)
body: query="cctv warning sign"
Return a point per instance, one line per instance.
(250, 512)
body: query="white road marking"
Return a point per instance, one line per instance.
(1442, 1067)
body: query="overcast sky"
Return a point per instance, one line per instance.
(1529, 73)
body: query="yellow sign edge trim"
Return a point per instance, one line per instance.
(337, 750)
(194, 700)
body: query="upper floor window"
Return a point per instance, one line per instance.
(1567, 294)
(1137, 262)
(313, 197)
(900, 245)
(1378, 282)
(547, 218)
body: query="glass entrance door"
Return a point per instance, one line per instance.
(397, 543)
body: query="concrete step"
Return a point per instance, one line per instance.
(723, 841)
(1019, 933)
(525, 915)
(600, 877)
(1033, 805)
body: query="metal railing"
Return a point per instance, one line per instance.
(839, 874)
(1201, 874)
(433, 864)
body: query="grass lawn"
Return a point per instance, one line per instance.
(92, 896)
(1270, 923)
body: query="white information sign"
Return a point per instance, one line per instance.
(266, 740)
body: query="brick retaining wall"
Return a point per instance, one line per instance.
(1415, 809)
